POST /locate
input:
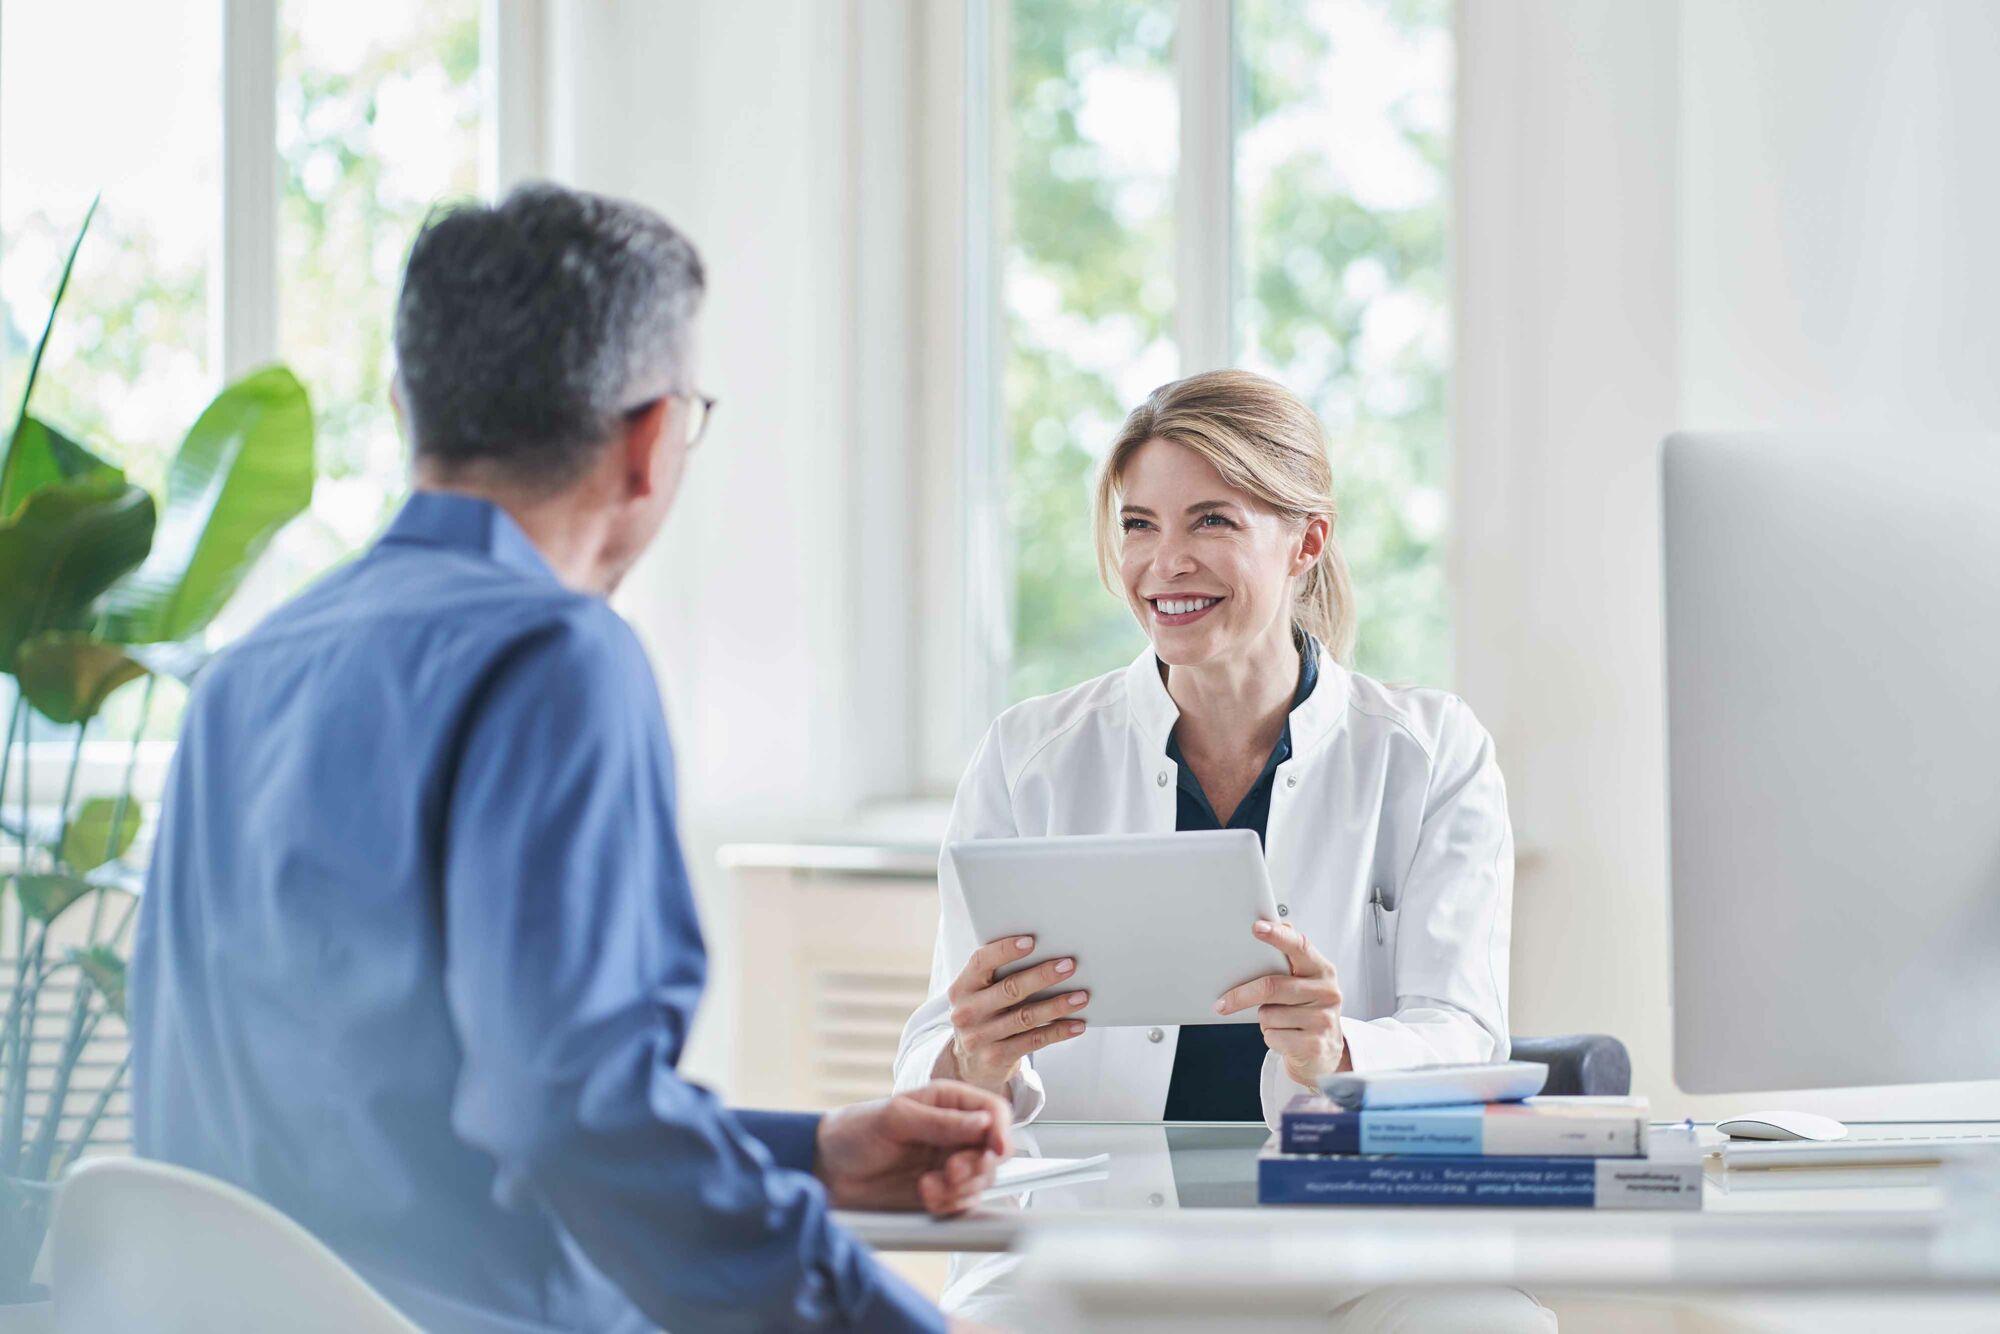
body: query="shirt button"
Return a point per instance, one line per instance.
(1163, 778)
(1155, 1035)
(1284, 910)
(1156, 1199)
(1291, 780)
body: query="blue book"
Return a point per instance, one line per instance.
(1669, 1177)
(1553, 1127)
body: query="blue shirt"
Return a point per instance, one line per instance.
(418, 956)
(1219, 1068)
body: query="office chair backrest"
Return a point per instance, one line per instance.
(141, 1245)
(1590, 1064)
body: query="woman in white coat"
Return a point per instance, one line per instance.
(1381, 809)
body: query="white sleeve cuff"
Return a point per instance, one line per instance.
(913, 1069)
(1026, 1092)
(1277, 1088)
(1372, 1046)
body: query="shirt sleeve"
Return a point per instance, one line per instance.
(573, 966)
(982, 809)
(1455, 911)
(791, 1138)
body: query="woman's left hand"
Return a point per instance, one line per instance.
(1300, 1011)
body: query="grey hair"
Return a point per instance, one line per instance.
(525, 328)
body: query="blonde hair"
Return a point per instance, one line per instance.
(1265, 442)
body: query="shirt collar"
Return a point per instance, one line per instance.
(1320, 703)
(466, 523)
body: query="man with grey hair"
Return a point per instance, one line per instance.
(418, 955)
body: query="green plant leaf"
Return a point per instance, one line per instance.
(42, 455)
(106, 972)
(14, 440)
(68, 543)
(178, 662)
(88, 843)
(44, 897)
(244, 471)
(68, 675)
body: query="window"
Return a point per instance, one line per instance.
(1342, 156)
(128, 368)
(1332, 131)
(378, 110)
(1090, 147)
(372, 112)
(129, 363)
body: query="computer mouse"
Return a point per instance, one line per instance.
(1782, 1125)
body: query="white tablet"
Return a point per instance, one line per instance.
(1159, 924)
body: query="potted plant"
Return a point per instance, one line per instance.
(102, 586)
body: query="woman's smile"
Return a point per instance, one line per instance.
(1183, 610)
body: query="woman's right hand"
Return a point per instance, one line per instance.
(993, 1024)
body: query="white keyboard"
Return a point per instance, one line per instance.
(1872, 1148)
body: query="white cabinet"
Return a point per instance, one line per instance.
(842, 941)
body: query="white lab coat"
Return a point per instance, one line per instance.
(1387, 789)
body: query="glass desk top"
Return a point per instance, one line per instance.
(1171, 1232)
(1210, 1170)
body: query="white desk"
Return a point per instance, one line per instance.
(1174, 1230)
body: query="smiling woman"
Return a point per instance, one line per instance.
(1380, 808)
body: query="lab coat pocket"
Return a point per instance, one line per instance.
(1378, 926)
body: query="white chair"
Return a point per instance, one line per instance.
(139, 1245)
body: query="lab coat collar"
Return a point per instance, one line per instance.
(1154, 712)
(1321, 712)
(466, 523)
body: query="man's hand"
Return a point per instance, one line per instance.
(1300, 1011)
(934, 1149)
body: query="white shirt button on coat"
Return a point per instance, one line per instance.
(1155, 1035)
(1163, 778)
(1291, 780)
(1284, 910)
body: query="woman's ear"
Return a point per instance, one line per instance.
(1311, 542)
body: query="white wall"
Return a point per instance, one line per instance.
(1697, 214)
(775, 135)
(1840, 225)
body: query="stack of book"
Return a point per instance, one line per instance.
(1592, 1153)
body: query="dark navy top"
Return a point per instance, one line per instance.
(1219, 1068)
(418, 955)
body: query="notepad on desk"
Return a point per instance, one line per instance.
(1019, 1174)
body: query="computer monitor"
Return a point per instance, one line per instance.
(1833, 743)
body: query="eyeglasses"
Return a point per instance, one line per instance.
(700, 411)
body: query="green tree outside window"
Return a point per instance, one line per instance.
(1343, 156)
